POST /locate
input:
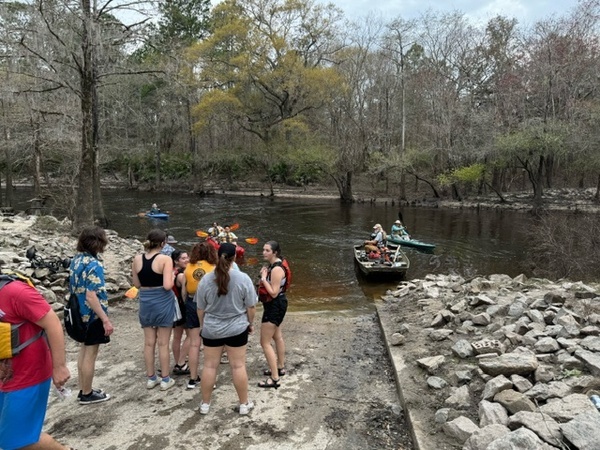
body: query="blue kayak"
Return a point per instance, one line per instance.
(410, 242)
(159, 215)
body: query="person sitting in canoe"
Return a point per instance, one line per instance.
(215, 230)
(377, 243)
(399, 231)
(227, 236)
(154, 209)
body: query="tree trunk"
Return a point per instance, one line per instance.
(83, 215)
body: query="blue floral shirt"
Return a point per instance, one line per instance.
(87, 274)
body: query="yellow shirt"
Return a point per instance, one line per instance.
(194, 273)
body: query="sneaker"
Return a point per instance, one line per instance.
(224, 359)
(152, 383)
(164, 385)
(193, 384)
(181, 370)
(93, 397)
(98, 391)
(204, 408)
(246, 408)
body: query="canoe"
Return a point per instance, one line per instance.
(410, 242)
(160, 215)
(377, 268)
(239, 250)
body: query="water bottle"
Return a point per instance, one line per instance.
(595, 399)
(63, 392)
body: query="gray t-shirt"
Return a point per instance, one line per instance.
(225, 316)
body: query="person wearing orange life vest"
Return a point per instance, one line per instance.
(273, 279)
(227, 236)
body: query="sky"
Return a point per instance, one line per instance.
(526, 12)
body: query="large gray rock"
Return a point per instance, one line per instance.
(514, 401)
(521, 439)
(492, 413)
(591, 343)
(584, 430)
(554, 389)
(460, 428)
(460, 398)
(509, 364)
(495, 385)
(483, 437)
(463, 349)
(564, 409)
(590, 359)
(544, 426)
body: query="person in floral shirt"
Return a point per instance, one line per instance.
(86, 281)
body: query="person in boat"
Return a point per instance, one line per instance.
(377, 241)
(203, 260)
(227, 236)
(399, 231)
(154, 209)
(215, 230)
(168, 249)
(152, 274)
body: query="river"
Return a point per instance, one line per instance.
(317, 235)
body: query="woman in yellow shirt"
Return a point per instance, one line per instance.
(203, 259)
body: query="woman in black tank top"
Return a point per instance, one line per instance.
(153, 274)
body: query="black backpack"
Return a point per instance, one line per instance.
(74, 324)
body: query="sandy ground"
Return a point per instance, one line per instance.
(339, 394)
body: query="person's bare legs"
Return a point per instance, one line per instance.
(46, 442)
(237, 362)
(86, 365)
(149, 347)
(185, 349)
(164, 354)
(194, 352)
(176, 343)
(279, 347)
(212, 359)
(267, 332)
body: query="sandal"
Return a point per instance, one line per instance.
(281, 372)
(269, 383)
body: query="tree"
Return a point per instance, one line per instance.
(266, 64)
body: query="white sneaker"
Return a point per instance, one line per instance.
(164, 385)
(152, 383)
(246, 408)
(204, 408)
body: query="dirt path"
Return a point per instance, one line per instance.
(339, 394)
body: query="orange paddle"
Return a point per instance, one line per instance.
(201, 233)
(251, 240)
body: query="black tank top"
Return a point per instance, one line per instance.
(147, 276)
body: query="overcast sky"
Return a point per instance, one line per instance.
(525, 11)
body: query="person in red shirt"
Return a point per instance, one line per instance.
(25, 378)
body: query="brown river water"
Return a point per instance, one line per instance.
(317, 235)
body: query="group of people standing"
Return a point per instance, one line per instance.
(204, 296)
(215, 309)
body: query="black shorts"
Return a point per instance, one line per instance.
(95, 333)
(274, 311)
(234, 341)
(191, 314)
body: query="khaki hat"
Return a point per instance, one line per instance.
(398, 222)
(171, 240)
(377, 225)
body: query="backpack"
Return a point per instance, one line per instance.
(10, 343)
(74, 325)
(263, 295)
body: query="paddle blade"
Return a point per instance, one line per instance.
(252, 261)
(141, 214)
(234, 227)
(201, 233)
(251, 240)
(132, 292)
